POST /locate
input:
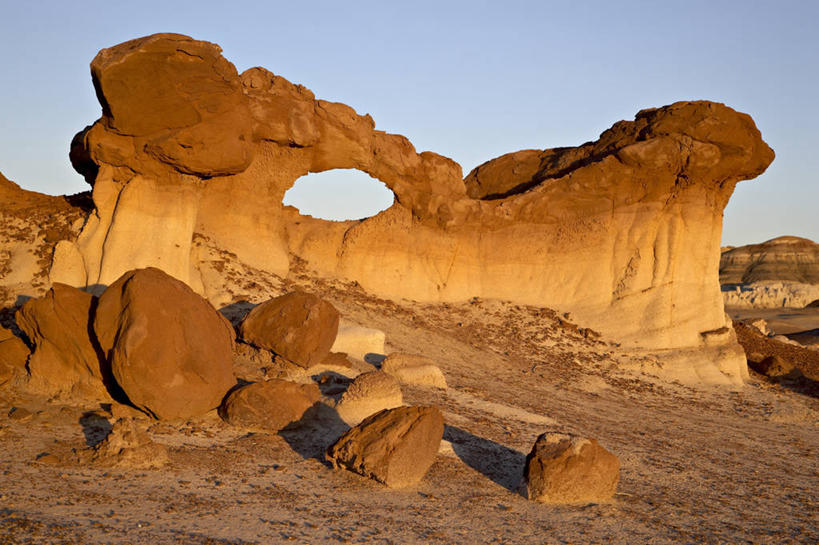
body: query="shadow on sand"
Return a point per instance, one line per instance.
(500, 464)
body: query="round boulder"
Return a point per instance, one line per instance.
(297, 326)
(170, 351)
(268, 406)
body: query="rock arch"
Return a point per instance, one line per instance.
(623, 231)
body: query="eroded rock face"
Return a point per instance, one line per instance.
(13, 356)
(395, 447)
(298, 326)
(65, 361)
(563, 468)
(170, 351)
(197, 161)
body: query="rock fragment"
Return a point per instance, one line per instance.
(126, 446)
(395, 447)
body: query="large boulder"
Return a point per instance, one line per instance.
(368, 394)
(268, 406)
(564, 468)
(298, 326)
(170, 351)
(65, 360)
(395, 446)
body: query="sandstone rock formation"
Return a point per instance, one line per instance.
(30, 226)
(169, 350)
(268, 406)
(782, 259)
(368, 394)
(298, 326)
(769, 294)
(414, 369)
(65, 362)
(781, 272)
(190, 161)
(395, 447)
(563, 468)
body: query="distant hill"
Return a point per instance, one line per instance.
(788, 258)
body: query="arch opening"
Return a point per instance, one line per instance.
(339, 195)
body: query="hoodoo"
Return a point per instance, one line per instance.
(190, 161)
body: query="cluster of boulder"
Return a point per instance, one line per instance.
(150, 342)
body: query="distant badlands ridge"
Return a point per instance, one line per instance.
(190, 160)
(781, 272)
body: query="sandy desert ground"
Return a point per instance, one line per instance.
(698, 465)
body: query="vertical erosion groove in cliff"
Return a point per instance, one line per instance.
(623, 231)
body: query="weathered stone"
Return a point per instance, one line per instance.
(268, 406)
(395, 446)
(414, 369)
(368, 394)
(563, 468)
(66, 361)
(170, 351)
(298, 326)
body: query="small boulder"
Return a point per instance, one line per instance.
(268, 406)
(395, 447)
(565, 468)
(358, 341)
(170, 351)
(413, 369)
(775, 367)
(126, 446)
(65, 361)
(298, 326)
(367, 394)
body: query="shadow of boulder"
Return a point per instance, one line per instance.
(502, 465)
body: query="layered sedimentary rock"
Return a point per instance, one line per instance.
(781, 272)
(191, 158)
(781, 259)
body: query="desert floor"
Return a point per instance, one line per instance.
(698, 465)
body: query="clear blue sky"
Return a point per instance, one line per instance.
(470, 80)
